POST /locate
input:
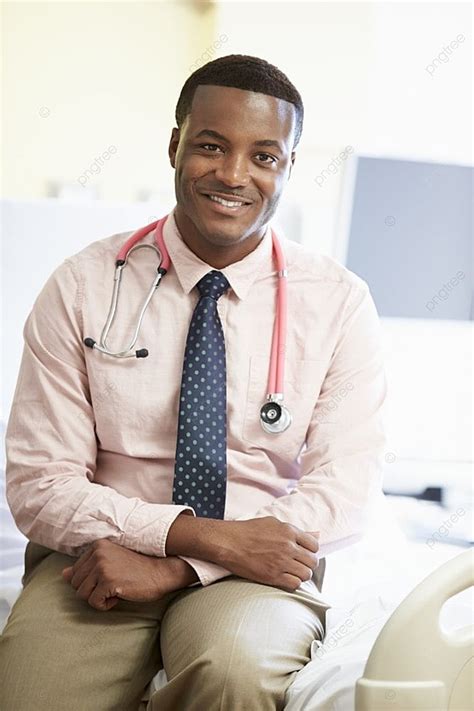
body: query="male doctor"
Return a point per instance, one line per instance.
(167, 529)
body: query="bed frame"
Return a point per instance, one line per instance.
(414, 664)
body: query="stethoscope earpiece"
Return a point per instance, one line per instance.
(90, 343)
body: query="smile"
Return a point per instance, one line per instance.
(227, 203)
(225, 206)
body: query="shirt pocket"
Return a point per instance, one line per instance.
(302, 384)
(135, 406)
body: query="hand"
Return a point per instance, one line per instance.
(269, 551)
(107, 572)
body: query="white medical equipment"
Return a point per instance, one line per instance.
(274, 416)
(414, 664)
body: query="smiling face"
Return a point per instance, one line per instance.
(232, 157)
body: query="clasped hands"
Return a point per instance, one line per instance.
(265, 550)
(107, 572)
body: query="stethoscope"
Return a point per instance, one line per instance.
(274, 416)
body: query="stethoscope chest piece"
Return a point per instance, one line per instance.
(274, 416)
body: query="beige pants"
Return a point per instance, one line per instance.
(234, 645)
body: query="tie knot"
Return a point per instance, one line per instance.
(213, 284)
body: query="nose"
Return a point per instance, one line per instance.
(233, 170)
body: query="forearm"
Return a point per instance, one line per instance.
(196, 537)
(182, 573)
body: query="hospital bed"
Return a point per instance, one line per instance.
(414, 664)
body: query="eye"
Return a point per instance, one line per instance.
(266, 156)
(210, 147)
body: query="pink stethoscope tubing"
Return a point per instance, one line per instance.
(276, 417)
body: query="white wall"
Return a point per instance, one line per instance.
(361, 70)
(79, 77)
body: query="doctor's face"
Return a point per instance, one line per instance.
(232, 157)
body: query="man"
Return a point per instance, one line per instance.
(194, 543)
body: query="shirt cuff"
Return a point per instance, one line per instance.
(148, 527)
(207, 572)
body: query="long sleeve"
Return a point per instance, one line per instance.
(207, 572)
(51, 442)
(341, 464)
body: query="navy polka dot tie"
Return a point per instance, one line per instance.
(200, 476)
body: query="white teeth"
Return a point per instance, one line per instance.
(226, 203)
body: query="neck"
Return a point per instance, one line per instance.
(216, 256)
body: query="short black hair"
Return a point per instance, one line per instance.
(241, 71)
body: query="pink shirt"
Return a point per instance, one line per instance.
(91, 439)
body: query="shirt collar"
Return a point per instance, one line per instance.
(190, 268)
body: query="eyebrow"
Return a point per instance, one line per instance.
(268, 143)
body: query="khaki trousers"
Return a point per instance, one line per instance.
(234, 645)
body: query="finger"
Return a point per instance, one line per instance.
(87, 586)
(83, 558)
(290, 582)
(83, 573)
(306, 557)
(69, 572)
(101, 594)
(111, 602)
(301, 571)
(308, 540)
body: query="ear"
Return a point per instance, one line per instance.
(293, 158)
(173, 146)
